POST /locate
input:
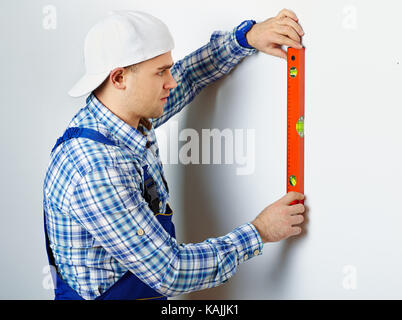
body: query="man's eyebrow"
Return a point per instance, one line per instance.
(166, 67)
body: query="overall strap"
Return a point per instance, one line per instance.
(151, 194)
(75, 132)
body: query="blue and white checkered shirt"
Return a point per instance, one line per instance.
(94, 206)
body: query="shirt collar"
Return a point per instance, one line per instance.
(127, 134)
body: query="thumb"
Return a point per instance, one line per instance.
(292, 196)
(277, 52)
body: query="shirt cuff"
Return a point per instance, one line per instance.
(237, 48)
(247, 241)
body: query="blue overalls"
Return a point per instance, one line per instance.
(128, 287)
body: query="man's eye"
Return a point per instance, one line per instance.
(161, 73)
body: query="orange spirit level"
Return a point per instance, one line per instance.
(295, 122)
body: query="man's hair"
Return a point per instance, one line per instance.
(133, 67)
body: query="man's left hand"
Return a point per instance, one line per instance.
(270, 35)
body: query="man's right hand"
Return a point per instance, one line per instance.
(276, 222)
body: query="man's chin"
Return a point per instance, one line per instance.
(159, 113)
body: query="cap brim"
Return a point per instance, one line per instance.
(87, 84)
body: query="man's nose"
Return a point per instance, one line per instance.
(172, 82)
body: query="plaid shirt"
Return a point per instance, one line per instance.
(94, 206)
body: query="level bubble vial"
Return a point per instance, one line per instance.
(293, 72)
(300, 127)
(292, 181)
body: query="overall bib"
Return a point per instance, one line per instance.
(128, 287)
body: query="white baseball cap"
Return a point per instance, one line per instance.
(121, 39)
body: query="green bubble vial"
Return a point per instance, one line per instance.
(292, 181)
(300, 127)
(293, 72)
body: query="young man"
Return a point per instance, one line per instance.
(107, 216)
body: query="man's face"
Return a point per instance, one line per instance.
(149, 84)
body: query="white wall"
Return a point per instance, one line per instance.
(352, 245)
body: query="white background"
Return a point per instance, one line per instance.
(351, 248)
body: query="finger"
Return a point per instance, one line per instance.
(285, 41)
(297, 219)
(291, 196)
(277, 52)
(288, 31)
(289, 22)
(296, 208)
(287, 13)
(294, 231)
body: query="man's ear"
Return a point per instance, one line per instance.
(117, 78)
